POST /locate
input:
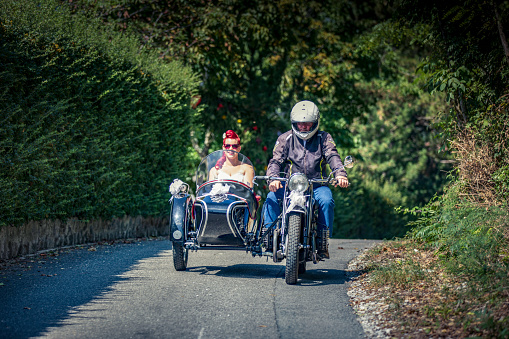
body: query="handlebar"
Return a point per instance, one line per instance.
(349, 160)
(266, 177)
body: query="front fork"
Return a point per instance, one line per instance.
(310, 239)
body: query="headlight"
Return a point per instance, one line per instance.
(298, 182)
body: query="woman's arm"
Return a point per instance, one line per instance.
(249, 175)
(213, 174)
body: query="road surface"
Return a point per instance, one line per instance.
(132, 291)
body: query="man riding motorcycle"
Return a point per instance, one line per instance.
(305, 149)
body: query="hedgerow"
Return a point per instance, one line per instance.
(91, 126)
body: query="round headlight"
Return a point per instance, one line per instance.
(298, 182)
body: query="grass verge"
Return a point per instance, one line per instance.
(425, 298)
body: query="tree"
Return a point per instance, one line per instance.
(469, 65)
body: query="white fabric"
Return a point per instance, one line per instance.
(237, 176)
(175, 186)
(296, 199)
(218, 192)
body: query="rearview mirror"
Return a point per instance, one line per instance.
(349, 160)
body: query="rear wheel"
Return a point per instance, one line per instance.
(292, 250)
(180, 255)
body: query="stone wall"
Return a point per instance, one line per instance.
(46, 234)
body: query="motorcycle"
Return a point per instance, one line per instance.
(224, 214)
(294, 234)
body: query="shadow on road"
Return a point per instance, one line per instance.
(258, 271)
(35, 298)
(313, 276)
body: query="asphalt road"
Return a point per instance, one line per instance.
(132, 291)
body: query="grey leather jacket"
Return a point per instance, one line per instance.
(291, 156)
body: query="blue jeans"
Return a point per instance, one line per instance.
(322, 194)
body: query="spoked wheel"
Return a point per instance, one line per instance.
(292, 250)
(180, 255)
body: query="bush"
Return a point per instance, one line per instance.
(472, 240)
(91, 126)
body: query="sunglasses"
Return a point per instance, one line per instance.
(228, 146)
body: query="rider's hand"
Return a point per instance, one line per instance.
(341, 181)
(275, 185)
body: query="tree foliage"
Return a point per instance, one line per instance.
(467, 225)
(256, 59)
(395, 139)
(470, 66)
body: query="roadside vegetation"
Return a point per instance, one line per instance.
(449, 276)
(117, 98)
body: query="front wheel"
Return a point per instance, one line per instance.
(180, 255)
(292, 250)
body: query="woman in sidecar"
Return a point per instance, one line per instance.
(224, 210)
(225, 205)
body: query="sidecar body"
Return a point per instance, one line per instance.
(224, 210)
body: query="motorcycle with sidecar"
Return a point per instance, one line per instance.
(223, 214)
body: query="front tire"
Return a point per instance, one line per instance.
(180, 255)
(292, 250)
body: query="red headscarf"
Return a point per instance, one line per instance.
(228, 135)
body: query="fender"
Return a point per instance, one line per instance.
(298, 209)
(178, 218)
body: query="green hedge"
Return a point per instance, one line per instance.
(90, 126)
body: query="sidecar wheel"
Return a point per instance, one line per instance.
(292, 252)
(180, 255)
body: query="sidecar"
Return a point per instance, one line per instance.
(225, 207)
(222, 213)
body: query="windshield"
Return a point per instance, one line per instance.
(233, 166)
(232, 178)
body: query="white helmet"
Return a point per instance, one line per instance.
(305, 111)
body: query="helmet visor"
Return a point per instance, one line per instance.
(304, 127)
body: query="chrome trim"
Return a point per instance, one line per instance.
(224, 180)
(228, 194)
(228, 217)
(204, 220)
